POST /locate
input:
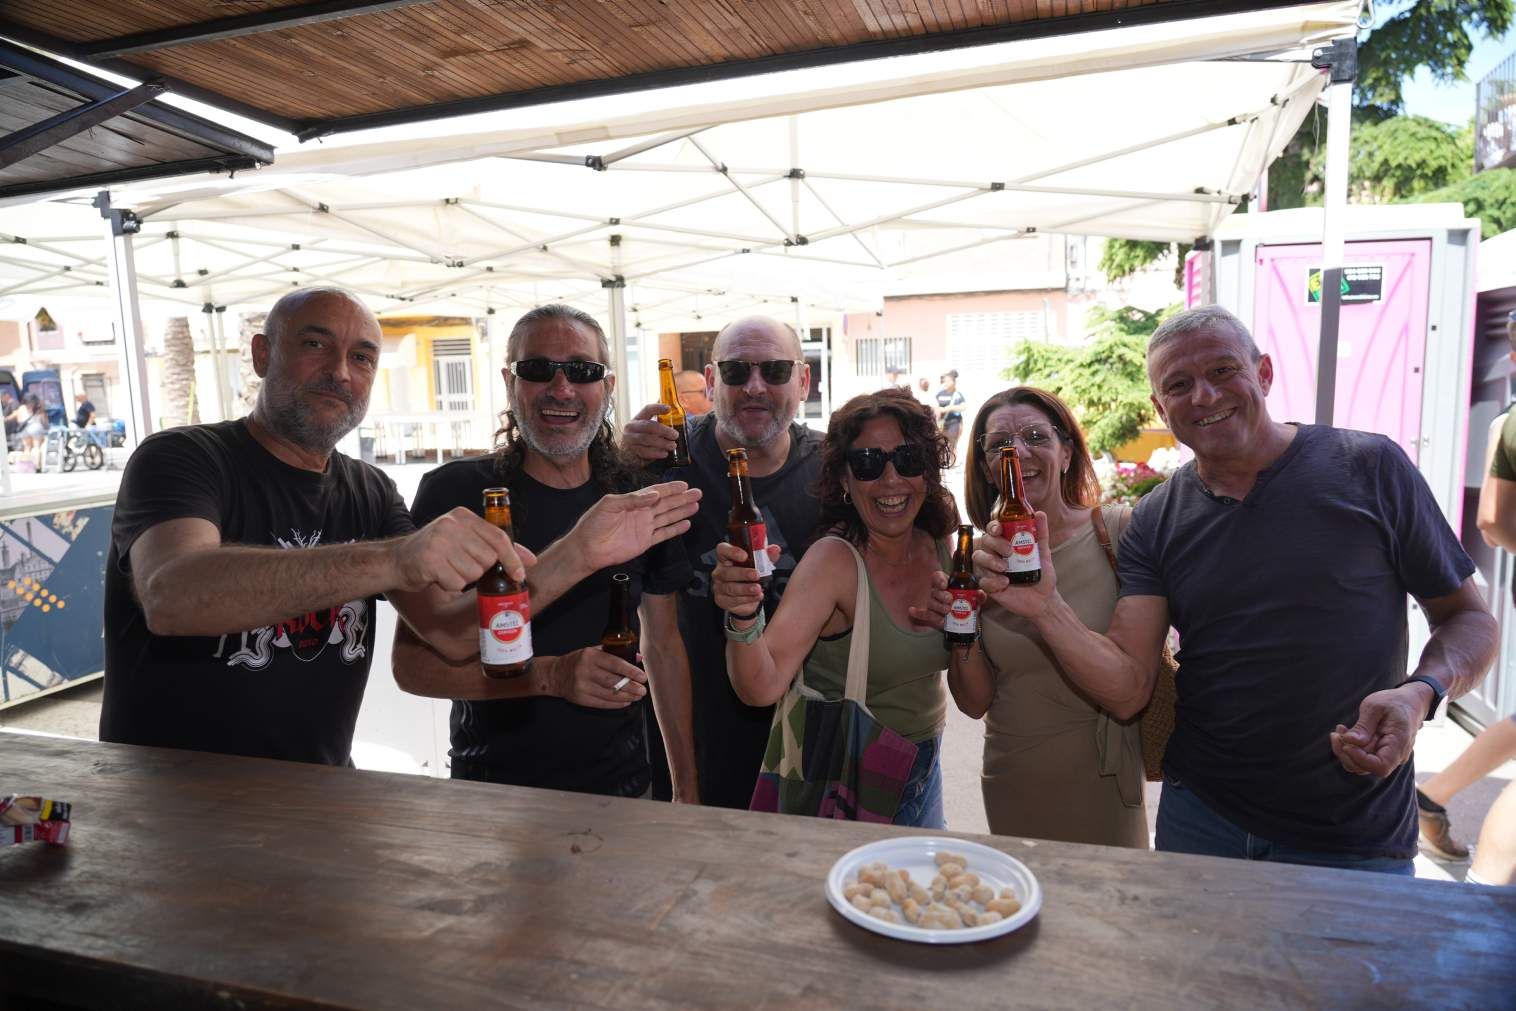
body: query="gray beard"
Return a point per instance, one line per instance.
(560, 448)
(733, 432)
(284, 414)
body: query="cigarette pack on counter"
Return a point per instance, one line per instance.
(33, 819)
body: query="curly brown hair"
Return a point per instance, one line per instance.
(939, 513)
(1079, 485)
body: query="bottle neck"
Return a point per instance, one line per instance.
(619, 617)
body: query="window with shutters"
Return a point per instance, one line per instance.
(979, 343)
(878, 355)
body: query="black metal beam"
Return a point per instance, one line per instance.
(184, 89)
(1073, 24)
(40, 67)
(39, 137)
(240, 24)
(96, 180)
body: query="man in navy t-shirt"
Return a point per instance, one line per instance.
(1283, 555)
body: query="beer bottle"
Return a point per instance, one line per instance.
(668, 393)
(619, 638)
(505, 610)
(962, 625)
(1018, 523)
(744, 525)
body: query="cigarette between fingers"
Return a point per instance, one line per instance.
(621, 684)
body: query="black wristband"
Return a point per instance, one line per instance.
(746, 617)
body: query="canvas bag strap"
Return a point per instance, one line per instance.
(858, 649)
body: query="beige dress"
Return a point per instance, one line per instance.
(1055, 766)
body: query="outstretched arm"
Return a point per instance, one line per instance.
(668, 671)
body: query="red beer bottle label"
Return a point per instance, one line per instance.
(963, 614)
(505, 628)
(1023, 537)
(757, 547)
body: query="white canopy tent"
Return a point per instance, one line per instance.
(660, 210)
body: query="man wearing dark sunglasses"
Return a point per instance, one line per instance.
(579, 719)
(760, 379)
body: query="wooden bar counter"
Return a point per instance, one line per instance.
(196, 880)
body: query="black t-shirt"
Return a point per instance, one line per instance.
(546, 741)
(1291, 608)
(290, 690)
(82, 415)
(730, 736)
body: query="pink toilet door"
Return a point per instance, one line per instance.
(1382, 336)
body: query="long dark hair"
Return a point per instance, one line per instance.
(1078, 486)
(939, 513)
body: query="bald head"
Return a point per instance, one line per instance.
(318, 354)
(765, 327)
(291, 305)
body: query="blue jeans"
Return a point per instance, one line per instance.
(1187, 825)
(921, 801)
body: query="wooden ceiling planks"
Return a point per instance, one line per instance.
(395, 63)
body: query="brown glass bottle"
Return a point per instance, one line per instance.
(505, 610)
(668, 394)
(744, 524)
(1018, 523)
(961, 628)
(619, 638)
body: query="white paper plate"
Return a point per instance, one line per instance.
(917, 854)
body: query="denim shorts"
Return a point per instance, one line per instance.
(921, 801)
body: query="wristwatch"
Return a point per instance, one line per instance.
(1438, 692)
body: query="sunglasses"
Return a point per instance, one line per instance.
(775, 373)
(1031, 436)
(540, 370)
(868, 464)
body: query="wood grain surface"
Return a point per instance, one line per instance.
(197, 880)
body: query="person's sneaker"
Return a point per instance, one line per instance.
(1437, 831)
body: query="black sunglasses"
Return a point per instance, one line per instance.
(775, 373)
(868, 464)
(540, 370)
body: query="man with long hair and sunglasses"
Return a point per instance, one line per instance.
(579, 718)
(760, 379)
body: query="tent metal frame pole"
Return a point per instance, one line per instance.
(885, 219)
(702, 232)
(828, 208)
(1340, 60)
(631, 151)
(680, 205)
(209, 309)
(616, 288)
(955, 249)
(120, 227)
(295, 247)
(1070, 191)
(542, 245)
(729, 177)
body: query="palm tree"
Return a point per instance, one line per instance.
(249, 324)
(178, 379)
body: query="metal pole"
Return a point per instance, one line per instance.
(1340, 60)
(616, 285)
(223, 383)
(120, 227)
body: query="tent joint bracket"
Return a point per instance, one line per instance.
(1340, 59)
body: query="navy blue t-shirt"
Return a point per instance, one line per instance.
(1291, 608)
(546, 741)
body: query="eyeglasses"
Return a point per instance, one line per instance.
(1032, 437)
(775, 373)
(540, 370)
(868, 464)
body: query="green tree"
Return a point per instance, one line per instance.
(1489, 196)
(1104, 382)
(1124, 257)
(1437, 35)
(1401, 158)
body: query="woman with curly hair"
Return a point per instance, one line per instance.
(881, 493)
(1055, 765)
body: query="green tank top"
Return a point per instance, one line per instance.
(906, 691)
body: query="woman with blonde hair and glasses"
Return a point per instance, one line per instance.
(1055, 765)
